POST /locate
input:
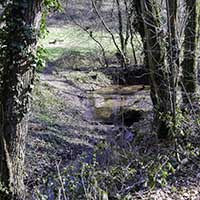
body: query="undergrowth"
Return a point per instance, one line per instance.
(113, 172)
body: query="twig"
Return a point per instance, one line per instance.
(106, 27)
(92, 37)
(61, 181)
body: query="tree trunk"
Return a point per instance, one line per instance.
(139, 26)
(172, 55)
(155, 52)
(190, 44)
(22, 25)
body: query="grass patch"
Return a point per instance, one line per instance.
(55, 53)
(91, 78)
(46, 104)
(66, 39)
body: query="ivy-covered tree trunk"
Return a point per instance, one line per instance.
(190, 46)
(22, 22)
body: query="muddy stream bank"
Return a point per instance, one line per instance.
(118, 104)
(81, 120)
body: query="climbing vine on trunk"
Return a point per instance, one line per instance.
(18, 40)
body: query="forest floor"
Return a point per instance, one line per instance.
(124, 161)
(91, 138)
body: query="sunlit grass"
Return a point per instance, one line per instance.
(71, 38)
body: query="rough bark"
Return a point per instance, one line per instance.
(22, 24)
(190, 46)
(155, 52)
(172, 55)
(139, 26)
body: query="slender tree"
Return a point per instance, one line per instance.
(190, 47)
(155, 51)
(19, 44)
(172, 55)
(161, 58)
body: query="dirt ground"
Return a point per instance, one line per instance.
(62, 131)
(73, 155)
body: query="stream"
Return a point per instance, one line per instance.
(118, 104)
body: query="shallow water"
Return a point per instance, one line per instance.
(119, 104)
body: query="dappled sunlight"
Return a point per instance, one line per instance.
(115, 95)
